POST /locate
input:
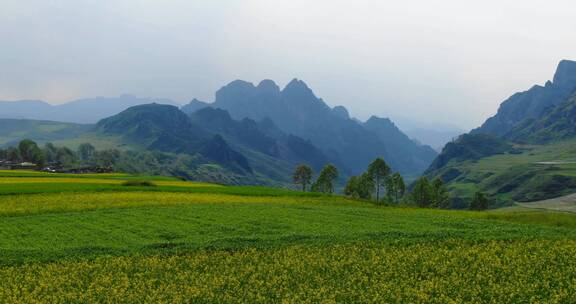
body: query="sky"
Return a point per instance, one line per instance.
(443, 61)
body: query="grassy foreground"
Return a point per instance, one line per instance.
(93, 239)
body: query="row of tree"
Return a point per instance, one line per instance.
(29, 151)
(324, 183)
(378, 183)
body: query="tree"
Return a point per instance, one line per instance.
(396, 187)
(479, 202)
(440, 194)
(65, 156)
(359, 186)
(107, 158)
(422, 192)
(302, 176)
(86, 152)
(13, 154)
(50, 152)
(325, 181)
(30, 152)
(379, 172)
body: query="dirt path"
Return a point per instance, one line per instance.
(556, 162)
(565, 204)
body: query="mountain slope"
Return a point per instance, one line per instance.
(404, 151)
(523, 153)
(166, 128)
(557, 124)
(296, 110)
(263, 137)
(533, 103)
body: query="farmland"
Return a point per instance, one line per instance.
(109, 238)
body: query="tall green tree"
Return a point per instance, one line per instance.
(65, 156)
(50, 152)
(13, 154)
(360, 186)
(30, 152)
(440, 194)
(396, 187)
(379, 171)
(479, 202)
(326, 179)
(108, 158)
(86, 152)
(302, 176)
(422, 192)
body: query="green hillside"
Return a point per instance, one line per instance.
(112, 238)
(526, 152)
(523, 173)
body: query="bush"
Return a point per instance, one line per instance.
(134, 183)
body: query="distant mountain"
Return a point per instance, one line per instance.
(532, 104)
(166, 128)
(194, 106)
(296, 110)
(263, 137)
(433, 137)
(84, 111)
(403, 150)
(155, 126)
(522, 153)
(243, 146)
(13, 131)
(433, 134)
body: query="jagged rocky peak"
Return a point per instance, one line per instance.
(565, 75)
(236, 90)
(268, 86)
(341, 112)
(298, 86)
(194, 106)
(213, 114)
(381, 121)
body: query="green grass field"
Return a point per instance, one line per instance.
(91, 238)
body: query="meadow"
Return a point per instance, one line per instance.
(96, 238)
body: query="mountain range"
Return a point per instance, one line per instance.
(81, 111)
(525, 152)
(257, 132)
(296, 110)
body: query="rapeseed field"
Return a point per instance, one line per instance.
(88, 239)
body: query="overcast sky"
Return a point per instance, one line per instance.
(449, 61)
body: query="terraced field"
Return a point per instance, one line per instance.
(102, 239)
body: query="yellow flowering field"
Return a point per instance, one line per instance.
(73, 202)
(91, 239)
(448, 272)
(85, 180)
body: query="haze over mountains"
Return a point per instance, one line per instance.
(296, 110)
(82, 111)
(251, 130)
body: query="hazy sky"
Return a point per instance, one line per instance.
(444, 60)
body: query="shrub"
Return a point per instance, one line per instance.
(136, 183)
